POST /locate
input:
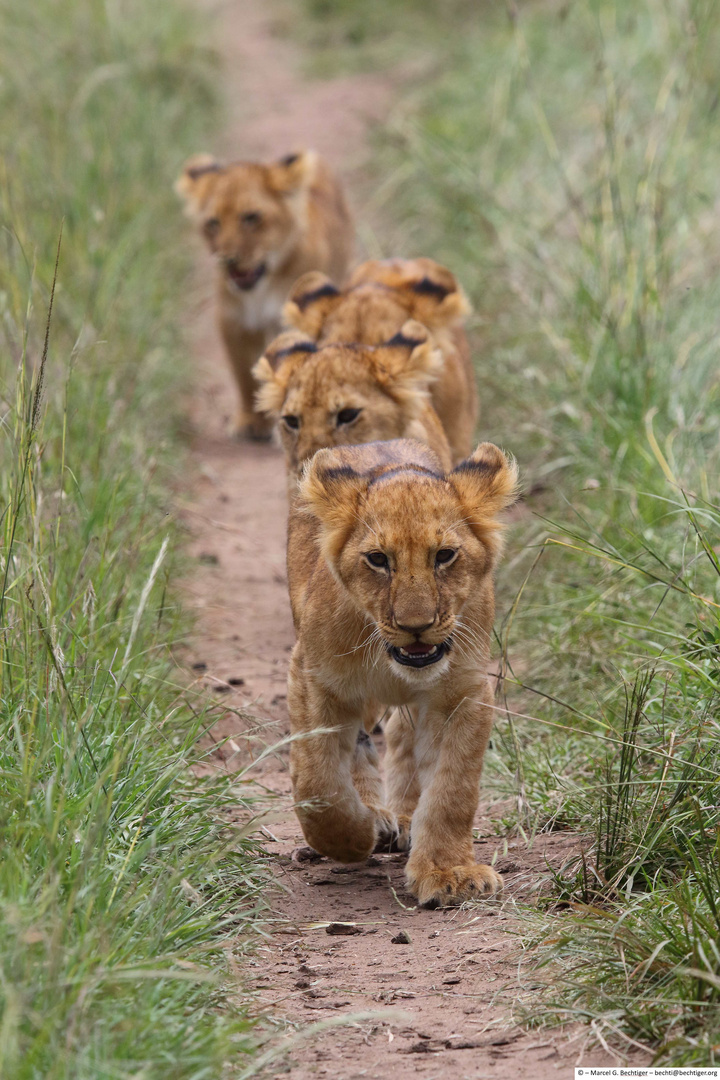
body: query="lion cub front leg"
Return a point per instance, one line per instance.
(324, 760)
(402, 783)
(369, 786)
(244, 349)
(441, 869)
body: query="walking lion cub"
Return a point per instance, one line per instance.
(266, 225)
(381, 295)
(390, 567)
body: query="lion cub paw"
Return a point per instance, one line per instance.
(447, 886)
(403, 835)
(387, 829)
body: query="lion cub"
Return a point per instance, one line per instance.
(390, 565)
(266, 225)
(331, 395)
(379, 298)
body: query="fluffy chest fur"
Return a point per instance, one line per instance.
(257, 309)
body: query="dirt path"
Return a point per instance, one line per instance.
(442, 1003)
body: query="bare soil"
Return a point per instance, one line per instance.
(398, 991)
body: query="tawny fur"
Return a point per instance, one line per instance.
(379, 298)
(393, 499)
(266, 225)
(334, 395)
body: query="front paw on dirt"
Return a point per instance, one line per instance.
(387, 830)
(455, 885)
(402, 839)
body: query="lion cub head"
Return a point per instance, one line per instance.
(380, 296)
(250, 214)
(412, 547)
(332, 395)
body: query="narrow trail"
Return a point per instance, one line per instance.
(442, 1003)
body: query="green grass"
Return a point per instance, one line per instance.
(564, 160)
(123, 889)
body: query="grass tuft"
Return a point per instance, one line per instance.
(125, 890)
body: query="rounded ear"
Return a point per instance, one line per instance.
(274, 368)
(331, 491)
(410, 361)
(292, 172)
(292, 343)
(192, 183)
(486, 484)
(431, 291)
(311, 299)
(438, 299)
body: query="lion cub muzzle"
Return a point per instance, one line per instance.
(243, 277)
(419, 654)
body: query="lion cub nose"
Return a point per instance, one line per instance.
(414, 626)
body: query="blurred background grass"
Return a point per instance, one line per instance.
(563, 158)
(123, 890)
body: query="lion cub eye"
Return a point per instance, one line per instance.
(346, 416)
(378, 559)
(211, 226)
(291, 421)
(445, 556)
(252, 219)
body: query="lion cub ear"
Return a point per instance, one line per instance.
(293, 172)
(194, 181)
(438, 299)
(311, 299)
(486, 484)
(410, 361)
(332, 492)
(276, 365)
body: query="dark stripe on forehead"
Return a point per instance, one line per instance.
(197, 171)
(410, 467)
(484, 467)
(427, 287)
(317, 294)
(400, 341)
(216, 166)
(297, 347)
(338, 472)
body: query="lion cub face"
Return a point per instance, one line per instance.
(249, 214)
(412, 546)
(324, 396)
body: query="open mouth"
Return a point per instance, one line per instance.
(245, 279)
(419, 654)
